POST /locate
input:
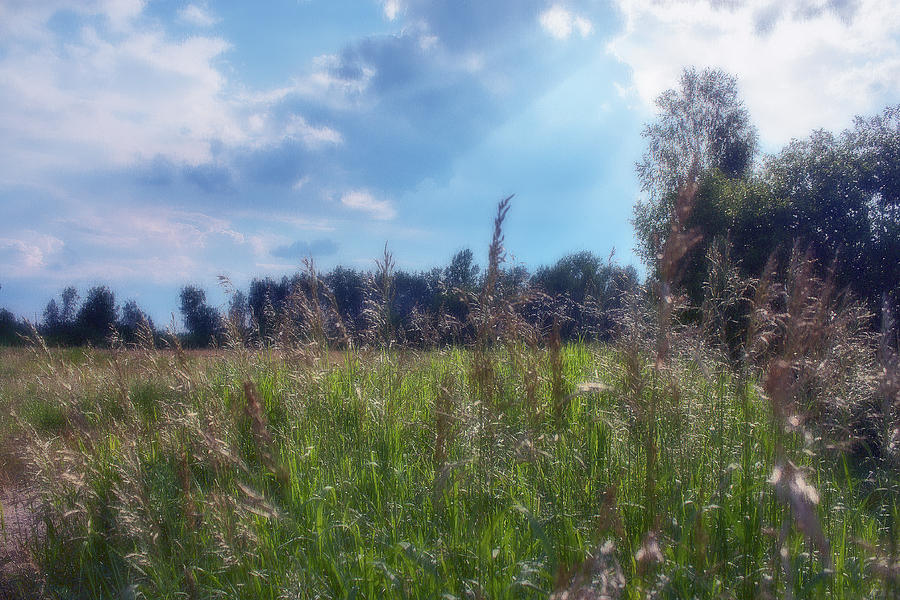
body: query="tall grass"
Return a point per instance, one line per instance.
(680, 461)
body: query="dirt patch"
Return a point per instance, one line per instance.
(20, 525)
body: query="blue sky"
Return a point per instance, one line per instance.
(149, 144)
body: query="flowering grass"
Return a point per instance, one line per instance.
(403, 474)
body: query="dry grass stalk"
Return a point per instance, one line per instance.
(443, 422)
(804, 341)
(598, 577)
(792, 490)
(485, 313)
(235, 331)
(886, 564)
(265, 443)
(670, 265)
(380, 301)
(559, 395)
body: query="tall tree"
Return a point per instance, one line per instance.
(132, 318)
(51, 316)
(462, 272)
(201, 320)
(703, 122)
(69, 304)
(97, 315)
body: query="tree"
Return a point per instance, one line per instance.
(348, 287)
(58, 324)
(98, 314)
(462, 272)
(52, 317)
(11, 330)
(704, 122)
(239, 312)
(590, 287)
(837, 195)
(202, 321)
(69, 304)
(266, 300)
(132, 318)
(460, 275)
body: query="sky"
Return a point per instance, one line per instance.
(147, 144)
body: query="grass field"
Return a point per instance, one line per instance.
(508, 472)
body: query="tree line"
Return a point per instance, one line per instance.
(580, 291)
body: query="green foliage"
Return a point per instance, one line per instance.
(838, 196)
(97, 317)
(203, 322)
(832, 195)
(330, 488)
(11, 330)
(702, 124)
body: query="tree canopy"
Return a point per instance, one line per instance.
(703, 122)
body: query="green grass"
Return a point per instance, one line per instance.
(161, 486)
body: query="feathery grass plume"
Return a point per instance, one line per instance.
(310, 320)
(422, 332)
(312, 312)
(378, 308)
(559, 393)
(35, 341)
(484, 311)
(235, 334)
(484, 316)
(725, 298)
(669, 261)
(145, 338)
(804, 334)
(259, 426)
(649, 556)
(886, 564)
(445, 428)
(889, 387)
(598, 577)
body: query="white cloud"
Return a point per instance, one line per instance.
(802, 64)
(298, 128)
(363, 200)
(110, 96)
(391, 9)
(27, 253)
(199, 16)
(560, 22)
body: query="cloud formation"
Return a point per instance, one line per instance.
(27, 252)
(197, 15)
(802, 64)
(117, 91)
(560, 22)
(364, 201)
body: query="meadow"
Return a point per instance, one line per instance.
(745, 447)
(503, 470)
